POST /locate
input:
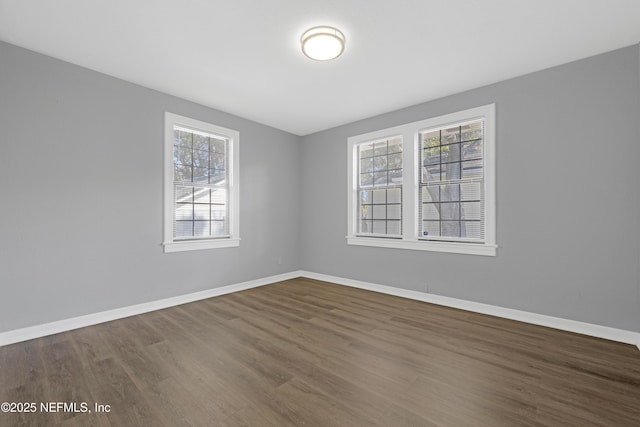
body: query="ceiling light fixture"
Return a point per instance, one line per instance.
(322, 43)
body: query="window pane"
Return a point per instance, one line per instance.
(451, 153)
(184, 211)
(379, 196)
(186, 139)
(366, 150)
(201, 212)
(219, 228)
(472, 169)
(380, 163)
(394, 227)
(394, 212)
(200, 142)
(366, 165)
(183, 173)
(200, 175)
(217, 161)
(219, 196)
(472, 230)
(395, 145)
(430, 228)
(379, 212)
(450, 193)
(471, 191)
(395, 177)
(365, 205)
(184, 194)
(472, 150)
(394, 195)
(218, 212)
(430, 139)
(431, 173)
(450, 211)
(431, 156)
(431, 211)
(431, 194)
(201, 172)
(182, 155)
(450, 135)
(202, 195)
(217, 176)
(450, 229)
(366, 180)
(471, 210)
(394, 161)
(380, 179)
(366, 197)
(218, 145)
(183, 229)
(380, 227)
(201, 228)
(472, 130)
(365, 212)
(366, 226)
(380, 148)
(201, 158)
(451, 171)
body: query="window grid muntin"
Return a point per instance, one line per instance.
(380, 150)
(370, 218)
(439, 183)
(214, 182)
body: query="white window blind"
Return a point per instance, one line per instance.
(200, 185)
(380, 187)
(451, 205)
(427, 185)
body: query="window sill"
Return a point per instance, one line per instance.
(194, 245)
(421, 245)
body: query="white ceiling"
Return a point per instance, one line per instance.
(243, 56)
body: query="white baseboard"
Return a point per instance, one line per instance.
(38, 331)
(598, 331)
(613, 334)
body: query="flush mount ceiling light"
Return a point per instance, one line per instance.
(322, 43)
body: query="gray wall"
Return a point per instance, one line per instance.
(81, 188)
(568, 156)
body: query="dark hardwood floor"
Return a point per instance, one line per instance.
(309, 353)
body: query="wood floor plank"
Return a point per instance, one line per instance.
(64, 376)
(89, 343)
(400, 417)
(319, 409)
(128, 404)
(212, 391)
(305, 352)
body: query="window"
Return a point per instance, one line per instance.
(380, 188)
(452, 171)
(427, 185)
(201, 185)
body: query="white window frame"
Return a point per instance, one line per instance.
(410, 133)
(373, 188)
(170, 244)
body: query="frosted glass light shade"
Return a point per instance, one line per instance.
(322, 43)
